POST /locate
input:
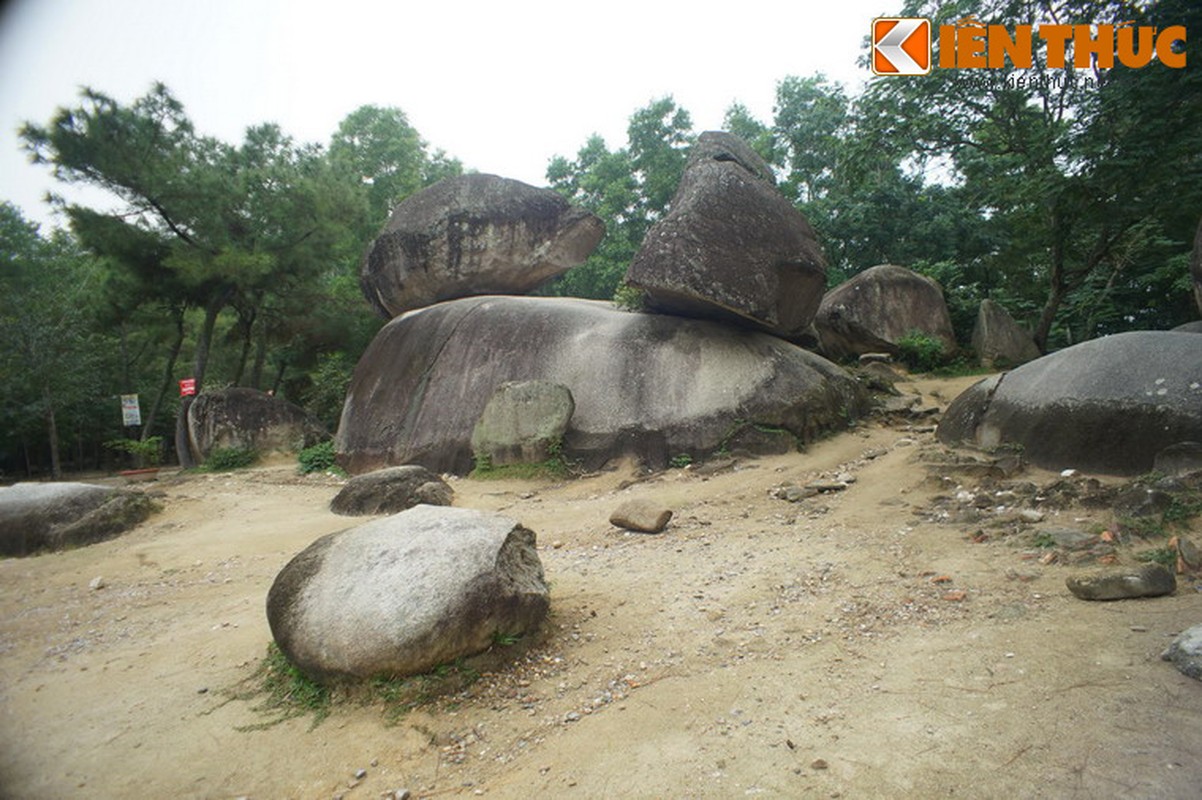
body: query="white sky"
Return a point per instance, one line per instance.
(503, 86)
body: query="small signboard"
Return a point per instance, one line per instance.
(187, 387)
(131, 413)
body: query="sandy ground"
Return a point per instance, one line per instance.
(842, 646)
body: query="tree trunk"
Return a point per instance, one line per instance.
(168, 376)
(183, 442)
(56, 469)
(248, 330)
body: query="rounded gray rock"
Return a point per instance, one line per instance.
(1150, 580)
(247, 419)
(406, 593)
(36, 517)
(1186, 652)
(388, 491)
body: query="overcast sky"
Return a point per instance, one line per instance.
(503, 86)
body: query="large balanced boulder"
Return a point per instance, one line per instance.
(36, 517)
(648, 385)
(391, 490)
(473, 235)
(998, 340)
(1108, 405)
(523, 423)
(731, 246)
(247, 419)
(874, 310)
(404, 594)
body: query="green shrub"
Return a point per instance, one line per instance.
(224, 459)
(629, 298)
(318, 458)
(920, 351)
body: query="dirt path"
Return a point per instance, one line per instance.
(842, 646)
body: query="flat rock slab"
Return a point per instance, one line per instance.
(392, 490)
(641, 516)
(1186, 652)
(37, 517)
(1150, 580)
(404, 594)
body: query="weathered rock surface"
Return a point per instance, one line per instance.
(1189, 327)
(1178, 460)
(403, 594)
(248, 419)
(523, 423)
(641, 516)
(998, 340)
(874, 310)
(36, 517)
(731, 247)
(1186, 652)
(647, 385)
(1149, 580)
(474, 235)
(1107, 405)
(388, 491)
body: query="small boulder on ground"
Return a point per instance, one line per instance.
(37, 517)
(403, 594)
(388, 491)
(247, 419)
(1149, 580)
(1186, 652)
(731, 246)
(998, 340)
(873, 311)
(472, 235)
(523, 423)
(1180, 459)
(641, 516)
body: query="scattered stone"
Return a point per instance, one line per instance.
(1179, 460)
(826, 485)
(360, 774)
(1150, 580)
(1070, 538)
(96, 583)
(388, 491)
(792, 492)
(955, 595)
(523, 423)
(571, 716)
(1189, 557)
(474, 235)
(1030, 515)
(1186, 652)
(641, 516)
(403, 594)
(819, 763)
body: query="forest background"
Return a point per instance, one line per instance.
(1070, 197)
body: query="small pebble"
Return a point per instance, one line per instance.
(360, 774)
(96, 583)
(819, 763)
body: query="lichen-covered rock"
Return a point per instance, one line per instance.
(406, 593)
(473, 235)
(1108, 405)
(1186, 652)
(998, 340)
(248, 419)
(731, 247)
(37, 517)
(523, 423)
(874, 310)
(389, 491)
(647, 385)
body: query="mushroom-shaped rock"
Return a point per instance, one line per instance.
(248, 419)
(874, 310)
(403, 594)
(388, 491)
(731, 246)
(648, 385)
(1108, 405)
(35, 517)
(473, 235)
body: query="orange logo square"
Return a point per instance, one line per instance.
(901, 46)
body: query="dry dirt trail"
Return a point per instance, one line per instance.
(756, 648)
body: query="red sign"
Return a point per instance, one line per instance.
(187, 387)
